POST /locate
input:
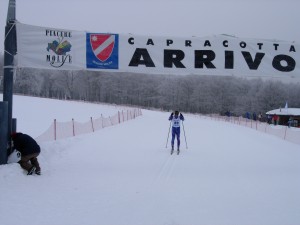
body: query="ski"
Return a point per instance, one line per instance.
(172, 151)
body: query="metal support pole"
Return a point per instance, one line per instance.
(14, 125)
(3, 132)
(10, 50)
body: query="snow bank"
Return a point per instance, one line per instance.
(124, 175)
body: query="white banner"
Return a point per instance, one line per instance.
(48, 48)
(52, 48)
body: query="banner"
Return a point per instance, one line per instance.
(223, 55)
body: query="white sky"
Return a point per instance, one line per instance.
(264, 19)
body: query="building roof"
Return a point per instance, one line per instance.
(285, 112)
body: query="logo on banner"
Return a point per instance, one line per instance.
(102, 51)
(59, 49)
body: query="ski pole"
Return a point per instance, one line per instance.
(168, 134)
(184, 136)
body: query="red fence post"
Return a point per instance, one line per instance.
(55, 129)
(92, 124)
(73, 127)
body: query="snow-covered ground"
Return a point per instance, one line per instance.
(124, 175)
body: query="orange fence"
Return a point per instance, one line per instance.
(291, 134)
(61, 130)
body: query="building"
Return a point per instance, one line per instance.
(287, 116)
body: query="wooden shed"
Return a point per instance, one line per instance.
(286, 116)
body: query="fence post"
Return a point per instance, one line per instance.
(101, 121)
(73, 127)
(119, 117)
(55, 129)
(92, 124)
(266, 128)
(285, 132)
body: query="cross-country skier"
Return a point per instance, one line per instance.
(175, 119)
(29, 152)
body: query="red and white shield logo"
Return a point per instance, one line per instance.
(102, 45)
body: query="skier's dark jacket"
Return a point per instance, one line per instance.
(25, 144)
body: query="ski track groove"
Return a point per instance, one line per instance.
(166, 171)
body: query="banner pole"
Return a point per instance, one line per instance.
(10, 49)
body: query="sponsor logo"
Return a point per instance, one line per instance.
(102, 51)
(59, 49)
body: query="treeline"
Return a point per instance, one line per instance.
(191, 93)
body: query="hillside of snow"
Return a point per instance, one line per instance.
(125, 175)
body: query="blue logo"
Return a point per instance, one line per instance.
(102, 51)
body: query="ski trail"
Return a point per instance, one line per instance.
(166, 171)
(161, 183)
(164, 179)
(170, 171)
